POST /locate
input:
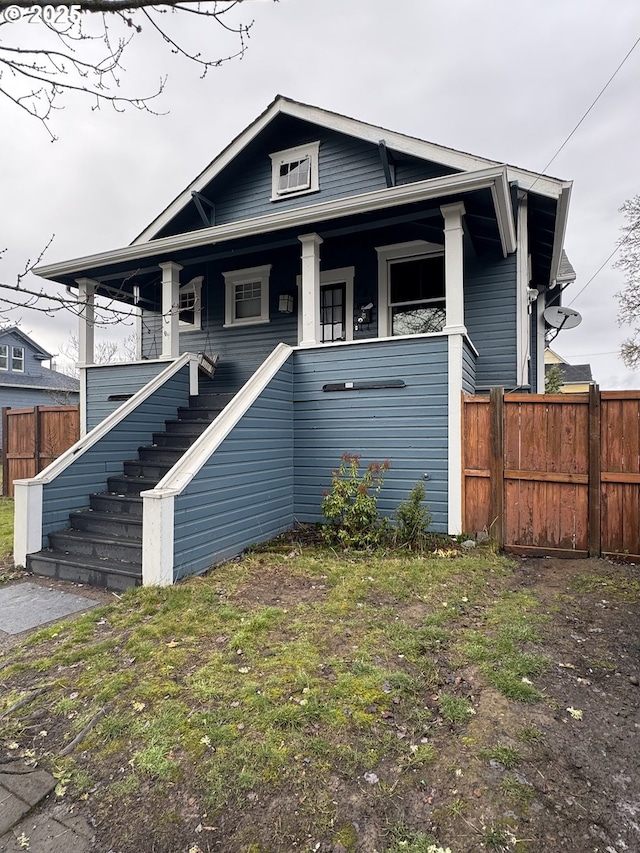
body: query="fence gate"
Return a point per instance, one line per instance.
(32, 438)
(554, 473)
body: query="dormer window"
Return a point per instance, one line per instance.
(294, 171)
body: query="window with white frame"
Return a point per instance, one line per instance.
(17, 359)
(190, 305)
(411, 288)
(4, 357)
(294, 171)
(247, 296)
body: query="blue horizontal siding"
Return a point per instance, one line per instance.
(468, 368)
(105, 381)
(490, 318)
(89, 472)
(407, 426)
(244, 492)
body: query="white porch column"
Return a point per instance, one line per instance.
(86, 319)
(28, 519)
(454, 266)
(310, 288)
(86, 340)
(454, 294)
(170, 302)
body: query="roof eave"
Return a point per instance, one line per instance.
(495, 179)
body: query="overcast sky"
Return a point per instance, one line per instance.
(504, 79)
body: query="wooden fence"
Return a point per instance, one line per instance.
(32, 438)
(554, 474)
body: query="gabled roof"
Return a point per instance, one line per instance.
(39, 353)
(573, 373)
(450, 157)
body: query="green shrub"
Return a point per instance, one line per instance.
(351, 505)
(412, 519)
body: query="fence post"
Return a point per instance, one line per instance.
(36, 438)
(595, 464)
(496, 463)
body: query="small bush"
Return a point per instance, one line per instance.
(413, 519)
(351, 506)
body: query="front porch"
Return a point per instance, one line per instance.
(264, 460)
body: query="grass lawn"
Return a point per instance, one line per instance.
(296, 699)
(6, 527)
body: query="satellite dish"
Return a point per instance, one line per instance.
(562, 318)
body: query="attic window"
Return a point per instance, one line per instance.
(4, 357)
(294, 171)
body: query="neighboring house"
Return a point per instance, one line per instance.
(25, 381)
(576, 378)
(353, 282)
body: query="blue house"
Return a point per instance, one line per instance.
(25, 381)
(323, 286)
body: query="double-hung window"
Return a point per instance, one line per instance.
(247, 296)
(294, 171)
(17, 359)
(4, 357)
(412, 287)
(190, 305)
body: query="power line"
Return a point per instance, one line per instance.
(600, 94)
(603, 265)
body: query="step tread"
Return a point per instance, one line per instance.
(103, 515)
(121, 567)
(70, 533)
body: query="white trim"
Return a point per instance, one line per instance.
(340, 275)
(251, 275)
(170, 299)
(194, 286)
(86, 319)
(80, 447)
(450, 157)
(185, 469)
(540, 333)
(454, 263)
(309, 293)
(559, 232)
(523, 323)
(397, 252)
(158, 535)
(82, 370)
(433, 188)
(454, 449)
(27, 532)
(300, 152)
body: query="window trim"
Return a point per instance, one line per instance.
(21, 359)
(194, 286)
(339, 275)
(246, 276)
(412, 250)
(4, 347)
(288, 155)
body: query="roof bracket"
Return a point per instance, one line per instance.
(200, 200)
(388, 164)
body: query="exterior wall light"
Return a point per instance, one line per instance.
(285, 303)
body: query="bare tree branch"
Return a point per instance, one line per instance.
(78, 49)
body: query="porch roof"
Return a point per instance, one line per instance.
(489, 221)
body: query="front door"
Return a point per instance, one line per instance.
(332, 312)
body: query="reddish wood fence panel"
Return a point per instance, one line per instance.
(553, 473)
(33, 438)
